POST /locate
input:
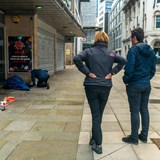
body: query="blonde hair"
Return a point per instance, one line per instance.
(101, 36)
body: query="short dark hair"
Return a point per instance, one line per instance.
(138, 33)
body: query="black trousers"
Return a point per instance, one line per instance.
(42, 82)
(138, 97)
(97, 98)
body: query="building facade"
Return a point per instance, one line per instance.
(115, 27)
(144, 14)
(89, 22)
(33, 35)
(104, 8)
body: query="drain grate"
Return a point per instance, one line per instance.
(154, 101)
(156, 141)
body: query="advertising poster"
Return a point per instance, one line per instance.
(20, 53)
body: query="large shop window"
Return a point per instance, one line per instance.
(20, 53)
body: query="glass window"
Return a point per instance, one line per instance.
(116, 43)
(158, 1)
(116, 20)
(116, 31)
(158, 21)
(120, 42)
(108, 4)
(120, 29)
(120, 3)
(118, 17)
(108, 10)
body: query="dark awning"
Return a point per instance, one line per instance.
(53, 12)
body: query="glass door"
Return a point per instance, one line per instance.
(2, 57)
(157, 51)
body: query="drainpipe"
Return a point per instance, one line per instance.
(143, 15)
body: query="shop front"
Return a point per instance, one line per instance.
(32, 37)
(2, 53)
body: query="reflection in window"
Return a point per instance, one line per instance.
(158, 21)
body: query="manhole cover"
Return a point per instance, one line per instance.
(154, 101)
(156, 141)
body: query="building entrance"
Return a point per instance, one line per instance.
(157, 51)
(2, 57)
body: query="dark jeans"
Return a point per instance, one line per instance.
(97, 98)
(138, 98)
(42, 82)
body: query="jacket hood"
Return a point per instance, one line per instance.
(144, 49)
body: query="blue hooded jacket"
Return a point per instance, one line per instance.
(141, 65)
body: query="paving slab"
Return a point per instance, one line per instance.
(116, 124)
(44, 124)
(44, 150)
(84, 152)
(3, 124)
(147, 152)
(60, 136)
(2, 143)
(7, 149)
(84, 138)
(20, 125)
(108, 150)
(112, 137)
(55, 124)
(125, 153)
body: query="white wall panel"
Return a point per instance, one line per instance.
(60, 55)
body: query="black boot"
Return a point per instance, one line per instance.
(129, 140)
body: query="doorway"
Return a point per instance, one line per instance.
(2, 57)
(157, 51)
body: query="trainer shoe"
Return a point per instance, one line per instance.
(97, 149)
(144, 140)
(129, 140)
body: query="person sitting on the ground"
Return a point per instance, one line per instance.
(42, 76)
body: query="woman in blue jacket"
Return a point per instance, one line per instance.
(97, 64)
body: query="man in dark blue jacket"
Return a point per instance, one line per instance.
(139, 70)
(42, 76)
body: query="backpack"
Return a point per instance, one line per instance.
(15, 82)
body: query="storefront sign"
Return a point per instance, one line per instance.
(69, 39)
(68, 52)
(20, 53)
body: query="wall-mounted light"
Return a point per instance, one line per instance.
(15, 19)
(39, 7)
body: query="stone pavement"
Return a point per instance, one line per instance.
(43, 124)
(116, 124)
(55, 124)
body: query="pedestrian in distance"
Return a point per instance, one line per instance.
(96, 63)
(42, 76)
(139, 70)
